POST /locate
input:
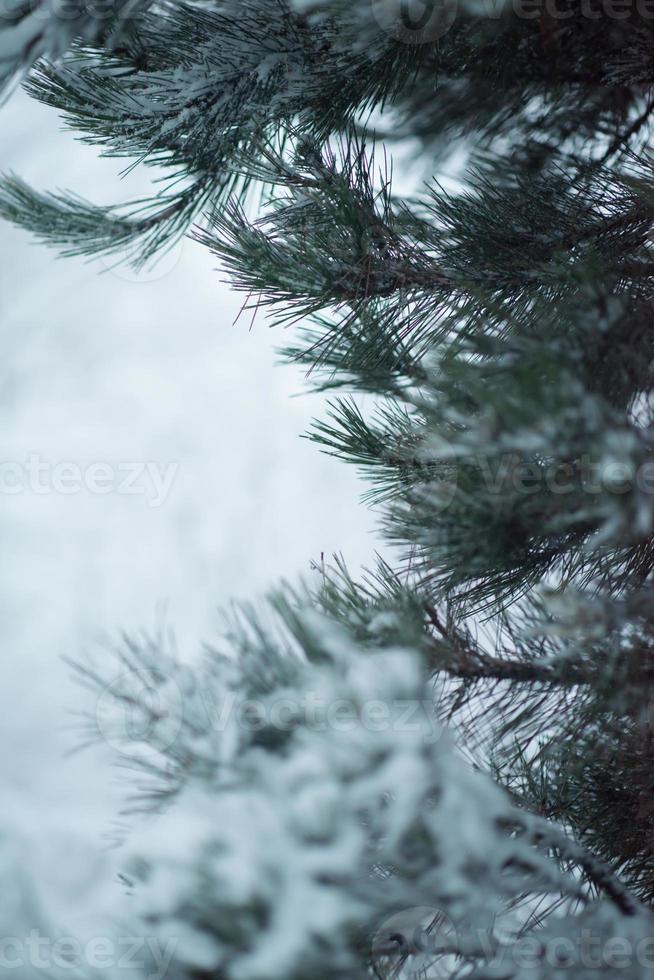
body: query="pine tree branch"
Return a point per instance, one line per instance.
(469, 663)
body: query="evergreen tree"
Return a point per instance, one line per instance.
(442, 769)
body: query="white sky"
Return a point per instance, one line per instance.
(103, 366)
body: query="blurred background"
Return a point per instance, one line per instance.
(104, 366)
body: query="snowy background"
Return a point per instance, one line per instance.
(100, 365)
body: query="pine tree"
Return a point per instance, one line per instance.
(441, 769)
